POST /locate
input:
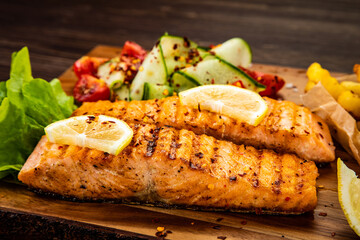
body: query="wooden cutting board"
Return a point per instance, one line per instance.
(327, 221)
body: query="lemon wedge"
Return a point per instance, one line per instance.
(349, 195)
(238, 103)
(103, 133)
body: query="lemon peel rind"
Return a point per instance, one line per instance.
(345, 203)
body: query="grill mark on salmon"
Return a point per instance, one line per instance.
(286, 127)
(190, 179)
(173, 146)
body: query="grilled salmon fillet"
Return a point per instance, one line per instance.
(287, 127)
(163, 165)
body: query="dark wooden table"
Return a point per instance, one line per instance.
(285, 33)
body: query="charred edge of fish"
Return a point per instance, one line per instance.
(136, 201)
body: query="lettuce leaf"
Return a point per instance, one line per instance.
(27, 106)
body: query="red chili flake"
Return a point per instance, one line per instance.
(186, 42)
(323, 214)
(111, 121)
(233, 178)
(199, 155)
(287, 198)
(333, 234)
(60, 147)
(212, 81)
(221, 237)
(244, 222)
(104, 123)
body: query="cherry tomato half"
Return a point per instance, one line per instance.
(132, 49)
(273, 83)
(87, 65)
(91, 89)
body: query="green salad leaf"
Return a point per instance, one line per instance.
(27, 106)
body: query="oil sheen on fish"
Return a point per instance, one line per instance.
(163, 165)
(287, 127)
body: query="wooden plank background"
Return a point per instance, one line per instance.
(284, 32)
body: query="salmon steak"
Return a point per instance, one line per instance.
(286, 128)
(169, 167)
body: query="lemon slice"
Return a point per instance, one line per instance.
(234, 102)
(102, 133)
(349, 195)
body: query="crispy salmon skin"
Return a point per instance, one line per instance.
(287, 127)
(177, 167)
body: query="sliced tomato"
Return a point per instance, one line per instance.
(91, 89)
(273, 83)
(87, 65)
(132, 55)
(132, 49)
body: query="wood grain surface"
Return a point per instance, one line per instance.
(283, 32)
(138, 221)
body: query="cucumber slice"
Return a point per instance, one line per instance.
(203, 52)
(235, 51)
(180, 82)
(158, 91)
(213, 70)
(178, 52)
(152, 71)
(123, 93)
(111, 72)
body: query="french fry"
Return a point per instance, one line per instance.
(352, 86)
(333, 86)
(350, 102)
